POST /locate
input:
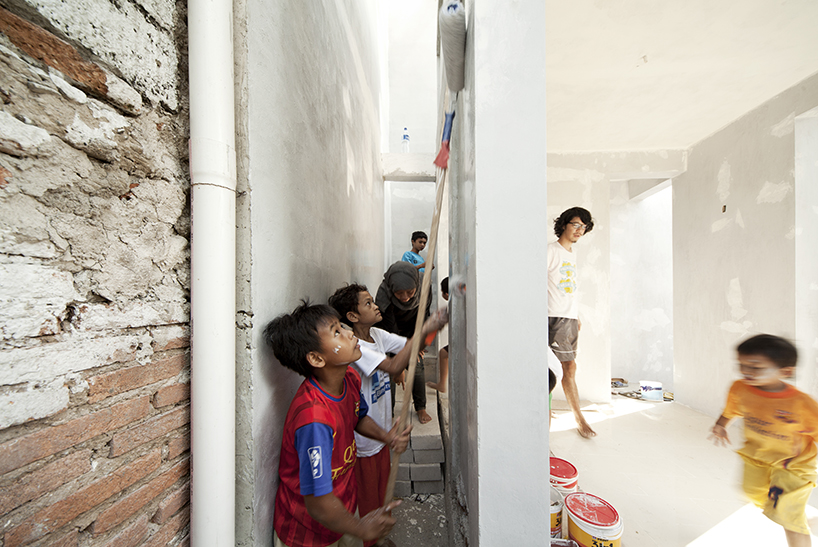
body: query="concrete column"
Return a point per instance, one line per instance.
(508, 310)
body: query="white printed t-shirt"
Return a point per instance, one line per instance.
(376, 388)
(562, 282)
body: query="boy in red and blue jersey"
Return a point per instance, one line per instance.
(316, 498)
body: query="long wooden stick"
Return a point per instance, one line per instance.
(425, 294)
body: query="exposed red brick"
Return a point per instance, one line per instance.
(137, 499)
(4, 174)
(131, 536)
(47, 478)
(167, 532)
(30, 448)
(55, 516)
(171, 395)
(178, 445)
(151, 429)
(71, 539)
(52, 51)
(172, 503)
(174, 343)
(126, 379)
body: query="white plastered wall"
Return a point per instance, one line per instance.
(412, 76)
(734, 246)
(642, 284)
(499, 396)
(310, 201)
(578, 181)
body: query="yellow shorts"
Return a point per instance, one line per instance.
(780, 493)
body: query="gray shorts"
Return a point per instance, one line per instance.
(562, 337)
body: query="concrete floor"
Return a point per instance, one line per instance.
(421, 522)
(671, 486)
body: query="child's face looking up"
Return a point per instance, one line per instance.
(339, 346)
(368, 311)
(759, 371)
(419, 244)
(405, 296)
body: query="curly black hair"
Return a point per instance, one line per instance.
(778, 350)
(568, 215)
(293, 335)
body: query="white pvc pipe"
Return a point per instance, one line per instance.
(213, 278)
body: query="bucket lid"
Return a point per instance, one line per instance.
(563, 469)
(591, 509)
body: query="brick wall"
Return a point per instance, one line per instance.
(94, 274)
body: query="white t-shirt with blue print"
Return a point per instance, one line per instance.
(376, 388)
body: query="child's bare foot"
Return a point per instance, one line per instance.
(440, 387)
(585, 430)
(423, 416)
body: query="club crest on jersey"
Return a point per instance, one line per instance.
(316, 462)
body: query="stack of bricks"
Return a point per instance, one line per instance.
(421, 466)
(112, 469)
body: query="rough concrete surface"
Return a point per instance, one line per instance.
(421, 522)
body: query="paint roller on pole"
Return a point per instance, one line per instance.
(452, 24)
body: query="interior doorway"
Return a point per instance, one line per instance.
(642, 281)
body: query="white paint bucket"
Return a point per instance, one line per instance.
(651, 391)
(564, 476)
(592, 521)
(556, 513)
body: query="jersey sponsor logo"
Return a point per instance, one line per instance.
(380, 386)
(350, 454)
(316, 461)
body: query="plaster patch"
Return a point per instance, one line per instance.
(739, 218)
(735, 299)
(720, 225)
(791, 234)
(20, 139)
(784, 127)
(33, 299)
(738, 328)
(68, 90)
(724, 178)
(773, 192)
(647, 320)
(37, 401)
(72, 353)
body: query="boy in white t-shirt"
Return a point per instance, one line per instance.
(357, 309)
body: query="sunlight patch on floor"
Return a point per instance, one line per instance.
(748, 526)
(595, 412)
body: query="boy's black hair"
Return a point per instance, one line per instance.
(566, 216)
(419, 235)
(552, 380)
(293, 335)
(444, 286)
(345, 300)
(778, 350)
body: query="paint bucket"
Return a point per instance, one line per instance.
(564, 476)
(592, 521)
(651, 391)
(556, 513)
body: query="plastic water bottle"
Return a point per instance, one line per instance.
(404, 142)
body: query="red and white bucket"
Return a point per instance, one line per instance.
(592, 521)
(564, 476)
